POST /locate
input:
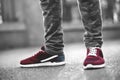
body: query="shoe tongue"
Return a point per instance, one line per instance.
(92, 51)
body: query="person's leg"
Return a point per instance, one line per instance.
(52, 51)
(91, 17)
(52, 23)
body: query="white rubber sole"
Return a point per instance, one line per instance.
(90, 66)
(44, 64)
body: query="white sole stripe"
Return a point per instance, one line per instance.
(44, 64)
(90, 66)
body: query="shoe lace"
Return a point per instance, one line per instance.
(92, 52)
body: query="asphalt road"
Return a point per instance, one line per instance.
(73, 70)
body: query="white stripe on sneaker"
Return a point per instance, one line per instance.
(44, 64)
(47, 59)
(90, 66)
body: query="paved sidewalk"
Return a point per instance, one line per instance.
(75, 54)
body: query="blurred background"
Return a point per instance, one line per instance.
(21, 23)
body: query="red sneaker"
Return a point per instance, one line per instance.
(43, 59)
(94, 58)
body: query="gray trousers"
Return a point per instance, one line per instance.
(91, 18)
